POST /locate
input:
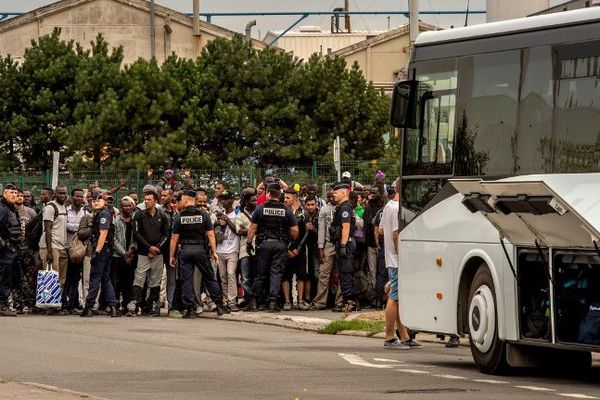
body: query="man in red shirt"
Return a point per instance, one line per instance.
(262, 198)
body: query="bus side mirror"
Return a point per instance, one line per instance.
(404, 105)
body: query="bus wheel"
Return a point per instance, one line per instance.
(489, 352)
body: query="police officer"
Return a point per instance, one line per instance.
(10, 234)
(341, 230)
(274, 226)
(192, 229)
(101, 240)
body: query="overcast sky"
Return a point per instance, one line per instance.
(359, 22)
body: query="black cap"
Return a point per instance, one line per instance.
(341, 185)
(189, 193)
(274, 186)
(99, 195)
(9, 185)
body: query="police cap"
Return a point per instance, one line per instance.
(189, 193)
(340, 186)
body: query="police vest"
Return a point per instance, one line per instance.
(273, 221)
(13, 232)
(96, 228)
(191, 230)
(335, 229)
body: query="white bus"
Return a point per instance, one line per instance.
(501, 161)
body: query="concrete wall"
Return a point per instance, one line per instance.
(121, 25)
(305, 45)
(498, 10)
(381, 61)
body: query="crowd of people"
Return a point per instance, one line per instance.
(176, 249)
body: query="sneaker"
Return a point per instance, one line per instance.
(221, 309)
(262, 307)
(286, 307)
(87, 313)
(315, 306)
(114, 312)
(412, 343)
(303, 306)
(131, 313)
(395, 344)
(7, 312)
(189, 314)
(64, 311)
(212, 307)
(454, 341)
(175, 314)
(251, 306)
(273, 307)
(233, 307)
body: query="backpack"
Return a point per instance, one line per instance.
(35, 228)
(589, 329)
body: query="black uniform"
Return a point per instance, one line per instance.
(273, 220)
(10, 237)
(100, 263)
(191, 225)
(345, 256)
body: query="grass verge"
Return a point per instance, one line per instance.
(372, 327)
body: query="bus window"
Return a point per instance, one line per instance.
(532, 145)
(577, 110)
(487, 116)
(429, 148)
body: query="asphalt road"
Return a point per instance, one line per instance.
(145, 358)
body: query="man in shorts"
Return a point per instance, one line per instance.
(394, 339)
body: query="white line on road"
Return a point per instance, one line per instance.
(357, 360)
(577, 396)
(492, 381)
(413, 371)
(450, 376)
(388, 360)
(536, 388)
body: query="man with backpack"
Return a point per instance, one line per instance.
(102, 243)
(53, 243)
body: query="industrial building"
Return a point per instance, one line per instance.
(122, 22)
(382, 58)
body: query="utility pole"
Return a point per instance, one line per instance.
(413, 21)
(152, 30)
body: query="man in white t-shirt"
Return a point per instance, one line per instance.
(228, 249)
(390, 227)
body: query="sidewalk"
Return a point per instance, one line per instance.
(36, 391)
(312, 321)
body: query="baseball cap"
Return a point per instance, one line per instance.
(379, 175)
(169, 171)
(346, 175)
(100, 195)
(9, 185)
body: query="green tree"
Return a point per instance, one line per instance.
(99, 119)
(48, 76)
(10, 103)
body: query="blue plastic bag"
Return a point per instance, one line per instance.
(48, 293)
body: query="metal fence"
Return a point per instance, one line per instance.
(133, 181)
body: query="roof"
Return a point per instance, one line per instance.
(63, 5)
(538, 22)
(384, 37)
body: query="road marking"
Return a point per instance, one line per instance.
(414, 371)
(388, 360)
(493, 382)
(577, 396)
(357, 360)
(450, 376)
(536, 388)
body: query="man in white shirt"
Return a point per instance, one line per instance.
(390, 227)
(228, 249)
(53, 243)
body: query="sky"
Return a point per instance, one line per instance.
(264, 24)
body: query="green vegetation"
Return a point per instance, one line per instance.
(372, 327)
(232, 107)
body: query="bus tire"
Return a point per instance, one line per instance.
(488, 351)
